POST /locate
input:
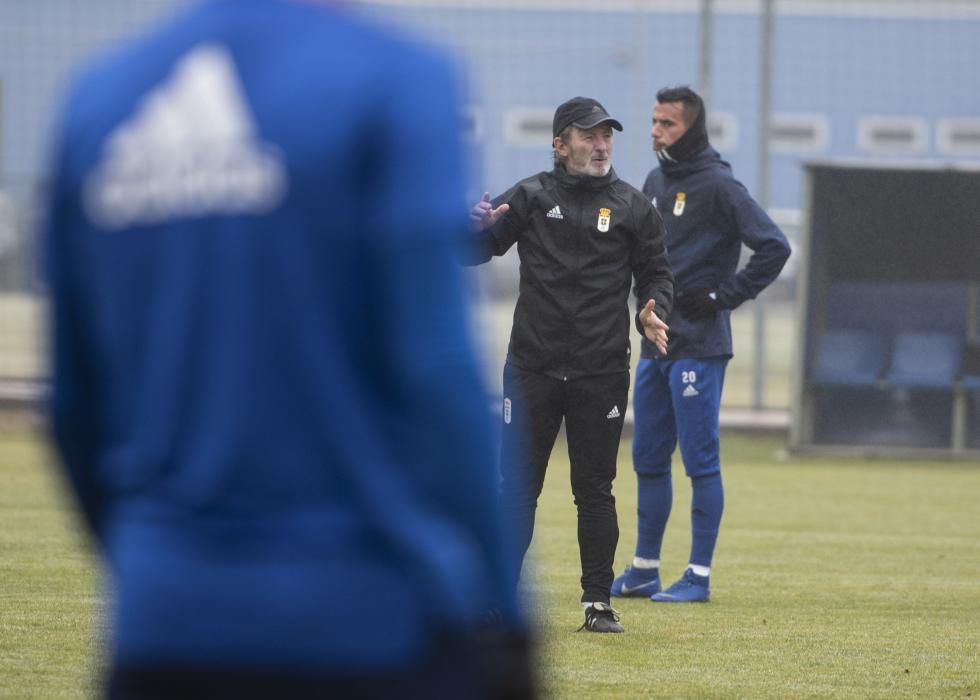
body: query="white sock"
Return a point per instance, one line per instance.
(700, 570)
(641, 563)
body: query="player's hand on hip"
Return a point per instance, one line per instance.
(653, 327)
(483, 215)
(698, 304)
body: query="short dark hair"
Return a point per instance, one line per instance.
(690, 100)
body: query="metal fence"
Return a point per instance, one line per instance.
(890, 79)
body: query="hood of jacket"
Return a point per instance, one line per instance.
(706, 159)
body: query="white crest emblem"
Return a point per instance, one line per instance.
(605, 215)
(679, 203)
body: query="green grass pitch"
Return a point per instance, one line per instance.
(832, 579)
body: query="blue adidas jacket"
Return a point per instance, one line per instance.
(264, 392)
(708, 215)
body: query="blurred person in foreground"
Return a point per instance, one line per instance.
(709, 216)
(264, 392)
(582, 235)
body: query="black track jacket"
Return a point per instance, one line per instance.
(581, 241)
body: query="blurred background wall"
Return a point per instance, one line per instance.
(883, 81)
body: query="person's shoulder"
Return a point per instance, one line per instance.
(537, 182)
(110, 82)
(630, 193)
(356, 62)
(654, 183)
(318, 37)
(110, 69)
(655, 173)
(725, 182)
(716, 174)
(528, 189)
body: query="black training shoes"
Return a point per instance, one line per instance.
(599, 617)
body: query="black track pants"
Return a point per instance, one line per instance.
(592, 408)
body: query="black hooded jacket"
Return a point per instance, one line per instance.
(581, 241)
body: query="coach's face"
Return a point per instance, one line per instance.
(668, 124)
(587, 151)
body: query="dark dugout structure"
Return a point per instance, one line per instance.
(889, 351)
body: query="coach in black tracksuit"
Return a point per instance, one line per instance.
(582, 235)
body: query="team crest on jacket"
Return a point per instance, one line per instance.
(604, 217)
(679, 203)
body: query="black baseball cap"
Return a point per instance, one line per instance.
(583, 112)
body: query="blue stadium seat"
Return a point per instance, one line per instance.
(928, 360)
(849, 358)
(890, 308)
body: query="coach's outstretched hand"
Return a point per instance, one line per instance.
(653, 327)
(483, 215)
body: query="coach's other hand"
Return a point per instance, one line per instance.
(483, 215)
(653, 327)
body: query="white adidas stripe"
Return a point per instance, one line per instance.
(190, 149)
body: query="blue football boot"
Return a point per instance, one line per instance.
(690, 588)
(636, 583)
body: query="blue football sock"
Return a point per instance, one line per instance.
(707, 504)
(655, 496)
